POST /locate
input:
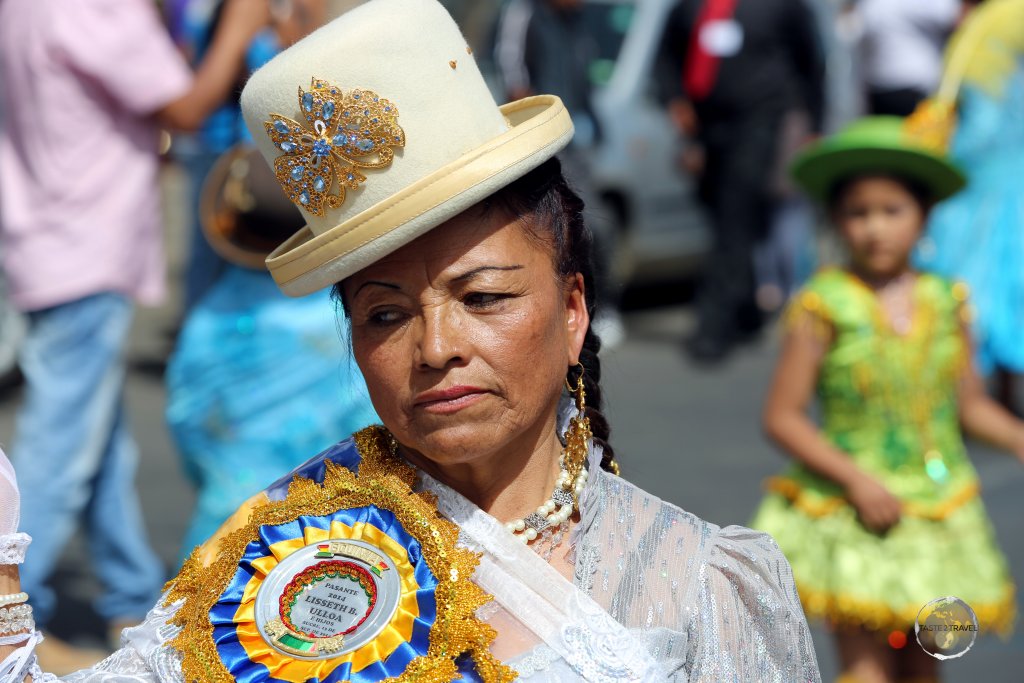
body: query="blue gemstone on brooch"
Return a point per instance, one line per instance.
(340, 140)
(281, 127)
(356, 96)
(328, 110)
(321, 148)
(318, 184)
(287, 147)
(297, 173)
(307, 101)
(304, 198)
(365, 145)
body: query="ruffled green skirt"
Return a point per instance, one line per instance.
(849, 575)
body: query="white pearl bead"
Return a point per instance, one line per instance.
(542, 510)
(511, 526)
(522, 538)
(530, 534)
(520, 525)
(549, 507)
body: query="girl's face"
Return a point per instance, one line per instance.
(880, 221)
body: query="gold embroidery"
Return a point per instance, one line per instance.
(383, 481)
(347, 131)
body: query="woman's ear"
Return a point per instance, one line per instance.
(577, 319)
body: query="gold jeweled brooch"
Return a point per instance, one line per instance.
(350, 130)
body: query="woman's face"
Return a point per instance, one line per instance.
(880, 221)
(464, 337)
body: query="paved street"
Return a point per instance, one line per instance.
(686, 434)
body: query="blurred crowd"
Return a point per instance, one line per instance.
(687, 115)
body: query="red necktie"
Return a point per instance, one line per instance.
(701, 66)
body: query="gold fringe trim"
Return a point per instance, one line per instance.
(383, 481)
(794, 493)
(875, 615)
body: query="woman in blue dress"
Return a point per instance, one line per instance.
(978, 235)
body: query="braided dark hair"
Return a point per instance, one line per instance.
(552, 212)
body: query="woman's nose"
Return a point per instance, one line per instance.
(441, 343)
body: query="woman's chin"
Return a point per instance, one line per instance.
(455, 443)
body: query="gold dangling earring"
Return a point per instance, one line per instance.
(576, 436)
(581, 432)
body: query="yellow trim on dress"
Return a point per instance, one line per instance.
(825, 505)
(875, 615)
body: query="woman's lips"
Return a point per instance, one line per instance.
(451, 400)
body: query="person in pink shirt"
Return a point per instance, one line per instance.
(86, 84)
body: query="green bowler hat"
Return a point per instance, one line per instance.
(875, 144)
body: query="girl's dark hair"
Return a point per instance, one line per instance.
(919, 191)
(551, 212)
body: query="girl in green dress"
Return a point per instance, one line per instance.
(880, 513)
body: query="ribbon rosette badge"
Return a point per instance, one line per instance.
(347, 131)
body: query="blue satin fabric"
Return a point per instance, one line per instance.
(978, 234)
(222, 615)
(344, 453)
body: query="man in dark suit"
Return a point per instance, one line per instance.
(733, 68)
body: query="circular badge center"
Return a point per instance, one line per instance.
(328, 599)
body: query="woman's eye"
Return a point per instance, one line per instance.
(481, 299)
(384, 317)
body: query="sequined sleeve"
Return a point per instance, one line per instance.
(750, 625)
(806, 313)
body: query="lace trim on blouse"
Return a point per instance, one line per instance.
(13, 547)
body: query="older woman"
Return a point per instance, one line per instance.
(482, 532)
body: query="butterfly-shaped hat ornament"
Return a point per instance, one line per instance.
(344, 131)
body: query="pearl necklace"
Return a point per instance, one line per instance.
(555, 512)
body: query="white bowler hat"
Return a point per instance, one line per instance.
(380, 127)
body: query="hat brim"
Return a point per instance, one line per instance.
(539, 128)
(818, 170)
(209, 217)
(227, 228)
